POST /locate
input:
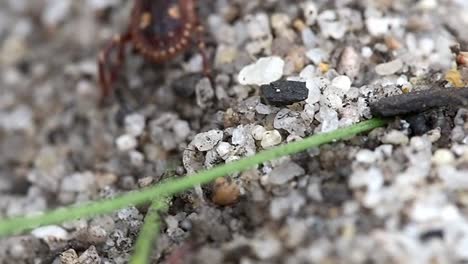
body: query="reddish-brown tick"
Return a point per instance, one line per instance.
(159, 30)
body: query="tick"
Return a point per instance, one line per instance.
(159, 30)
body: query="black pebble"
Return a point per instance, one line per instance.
(185, 85)
(281, 93)
(420, 101)
(432, 234)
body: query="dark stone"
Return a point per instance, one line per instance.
(281, 93)
(432, 234)
(185, 85)
(419, 101)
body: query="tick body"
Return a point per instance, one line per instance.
(159, 30)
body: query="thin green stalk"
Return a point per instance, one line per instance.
(175, 185)
(148, 232)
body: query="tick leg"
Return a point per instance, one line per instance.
(108, 69)
(202, 49)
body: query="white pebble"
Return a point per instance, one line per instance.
(207, 140)
(136, 158)
(452, 178)
(317, 55)
(389, 68)
(126, 142)
(443, 157)
(310, 12)
(263, 109)
(223, 149)
(366, 156)
(308, 72)
(51, 232)
(328, 118)
(314, 92)
(134, 124)
(427, 4)
(97, 5)
(333, 99)
(342, 82)
(395, 137)
(56, 11)
(308, 37)
(349, 63)
(270, 138)
(258, 132)
(264, 71)
(366, 52)
(20, 118)
(258, 26)
(378, 26)
(181, 129)
(285, 172)
(331, 25)
(266, 248)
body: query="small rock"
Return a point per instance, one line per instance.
(126, 142)
(314, 92)
(308, 72)
(285, 172)
(259, 31)
(328, 118)
(136, 158)
(51, 232)
(452, 178)
(349, 63)
(379, 26)
(389, 68)
(366, 52)
(258, 132)
(270, 139)
(290, 121)
(366, 156)
(281, 93)
(69, 257)
(56, 12)
(266, 248)
(317, 55)
(264, 71)
(78, 182)
(92, 235)
(281, 25)
(225, 55)
(134, 124)
(331, 25)
(224, 149)
(184, 86)
(289, 205)
(308, 37)
(207, 140)
(97, 5)
(195, 64)
(181, 129)
(395, 137)
(90, 256)
(310, 12)
(443, 157)
(20, 118)
(342, 83)
(263, 109)
(204, 92)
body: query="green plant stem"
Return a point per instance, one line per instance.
(175, 185)
(148, 232)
